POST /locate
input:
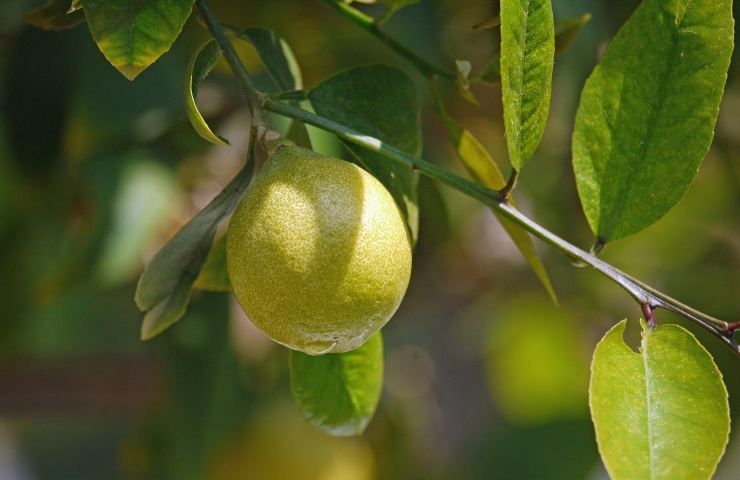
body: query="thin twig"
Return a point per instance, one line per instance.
(372, 26)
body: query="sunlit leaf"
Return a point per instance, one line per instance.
(486, 171)
(134, 34)
(54, 15)
(661, 413)
(339, 392)
(380, 101)
(647, 113)
(527, 58)
(164, 288)
(201, 63)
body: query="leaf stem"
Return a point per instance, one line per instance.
(642, 293)
(371, 26)
(510, 185)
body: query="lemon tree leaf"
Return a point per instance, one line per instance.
(283, 68)
(54, 15)
(275, 54)
(647, 113)
(164, 288)
(339, 392)
(201, 64)
(133, 34)
(661, 413)
(213, 275)
(379, 101)
(485, 171)
(527, 58)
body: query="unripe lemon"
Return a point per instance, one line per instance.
(317, 252)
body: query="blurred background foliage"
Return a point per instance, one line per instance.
(485, 378)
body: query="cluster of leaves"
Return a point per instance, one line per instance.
(644, 124)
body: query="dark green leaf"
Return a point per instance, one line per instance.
(661, 413)
(213, 275)
(54, 15)
(527, 58)
(201, 63)
(379, 101)
(133, 34)
(486, 171)
(164, 288)
(338, 392)
(276, 55)
(647, 113)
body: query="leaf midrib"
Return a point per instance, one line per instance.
(648, 405)
(626, 189)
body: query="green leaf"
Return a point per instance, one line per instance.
(201, 63)
(283, 68)
(380, 101)
(485, 171)
(164, 288)
(566, 31)
(339, 392)
(276, 55)
(55, 15)
(647, 113)
(213, 275)
(133, 34)
(661, 413)
(527, 58)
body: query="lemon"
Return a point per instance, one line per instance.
(318, 254)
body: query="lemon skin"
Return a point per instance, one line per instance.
(318, 254)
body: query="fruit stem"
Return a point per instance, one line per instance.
(642, 293)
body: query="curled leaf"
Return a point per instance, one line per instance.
(201, 63)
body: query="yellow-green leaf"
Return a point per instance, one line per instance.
(662, 413)
(486, 171)
(201, 63)
(133, 34)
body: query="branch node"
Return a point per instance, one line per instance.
(649, 312)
